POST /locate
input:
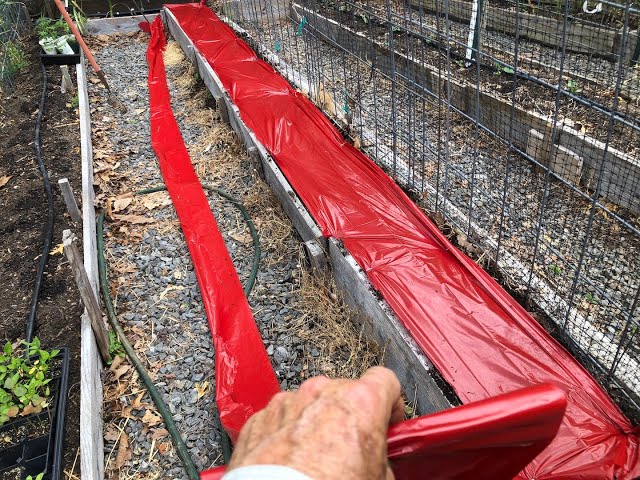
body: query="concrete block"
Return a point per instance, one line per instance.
(567, 164)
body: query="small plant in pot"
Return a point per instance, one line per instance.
(24, 380)
(52, 33)
(59, 47)
(30, 391)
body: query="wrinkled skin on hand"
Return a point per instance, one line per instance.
(327, 428)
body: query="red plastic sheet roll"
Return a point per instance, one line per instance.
(486, 440)
(245, 381)
(481, 340)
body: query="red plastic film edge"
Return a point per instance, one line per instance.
(245, 381)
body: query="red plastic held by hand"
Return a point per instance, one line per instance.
(488, 440)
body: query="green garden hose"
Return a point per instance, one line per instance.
(245, 214)
(178, 442)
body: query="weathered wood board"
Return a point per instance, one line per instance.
(591, 39)
(91, 441)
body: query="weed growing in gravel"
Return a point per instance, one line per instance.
(555, 269)
(23, 380)
(115, 347)
(591, 298)
(573, 87)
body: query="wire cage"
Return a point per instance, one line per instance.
(14, 20)
(515, 124)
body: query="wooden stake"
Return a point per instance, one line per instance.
(70, 200)
(66, 84)
(86, 293)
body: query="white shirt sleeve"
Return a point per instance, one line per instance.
(265, 472)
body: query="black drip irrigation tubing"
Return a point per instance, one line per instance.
(178, 442)
(44, 257)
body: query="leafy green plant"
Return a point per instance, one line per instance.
(79, 17)
(573, 86)
(24, 380)
(15, 56)
(591, 298)
(75, 102)
(115, 347)
(555, 269)
(500, 68)
(49, 28)
(39, 476)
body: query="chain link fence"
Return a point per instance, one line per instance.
(515, 124)
(14, 20)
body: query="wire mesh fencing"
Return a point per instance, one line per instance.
(14, 19)
(514, 123)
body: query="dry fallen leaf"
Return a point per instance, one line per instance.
(121, 203)
(120, 371)
(136, 219)
(138, 403)
(151, 419)
(201, 388)
(111, 433)
(169, 289)
(124, 452)
(241, 237)
(57, 250)
(163, 448)
(117, 361)
(99, 154)
(159, 433)
(4, 180)
(155, 200)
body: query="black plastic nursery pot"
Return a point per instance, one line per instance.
(60, 58)
(33, 444)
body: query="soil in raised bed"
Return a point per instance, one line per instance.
(23, 219)
(529, 95)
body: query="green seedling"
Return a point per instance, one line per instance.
(115, 347)
(24, 380)
(555, 269)
(500, 69)
(573, 87)
(49, 28)
(79, 17)
(591, 298)
(39, 476)
(16, 59)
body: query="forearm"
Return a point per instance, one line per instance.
(265, 472)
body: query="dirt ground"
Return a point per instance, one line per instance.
(23, 219)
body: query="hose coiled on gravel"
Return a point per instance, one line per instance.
(178, 442)
(169, 423)
(245, 215)
(48, 236)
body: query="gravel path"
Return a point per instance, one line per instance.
(304, 324)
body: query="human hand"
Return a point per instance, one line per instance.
(326, 429)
